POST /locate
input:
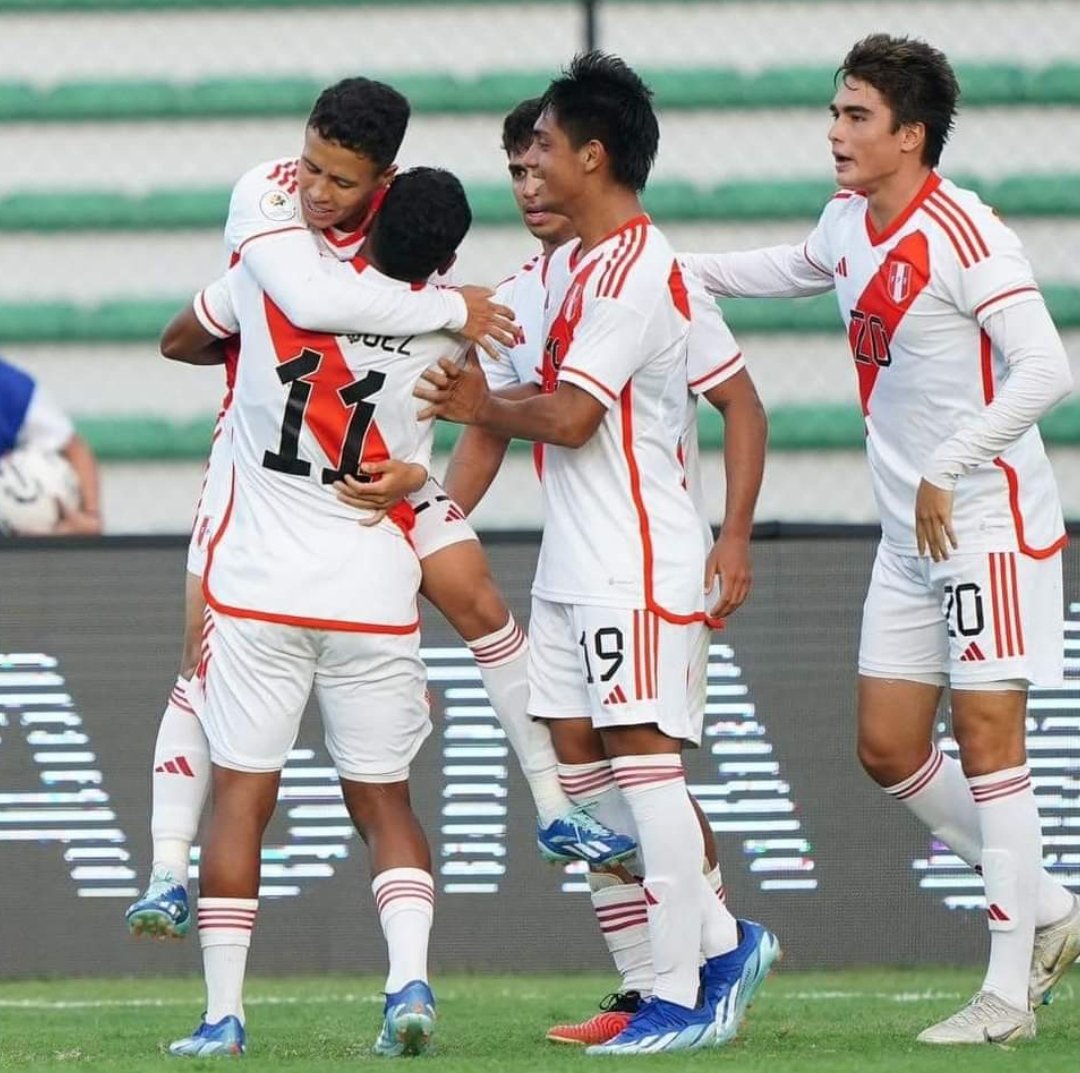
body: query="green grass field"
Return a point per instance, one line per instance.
(830, 1022)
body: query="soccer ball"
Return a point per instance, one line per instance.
(33, 485)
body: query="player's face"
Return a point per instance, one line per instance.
(866, 149)
(556, 169)
(546, 226)
(336, 184)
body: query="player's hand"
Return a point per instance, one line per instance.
(456, 392)
(77, 522)
(729, 563)
(933, 521)
(387, 483)
(487, 325)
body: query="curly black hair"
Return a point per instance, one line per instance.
(365, 116)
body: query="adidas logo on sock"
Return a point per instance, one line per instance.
(972, 652)
(616, 696)
(178, 765)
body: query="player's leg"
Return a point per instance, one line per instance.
(457, 580)
(180, 780)
(257, 679)
(371, 691)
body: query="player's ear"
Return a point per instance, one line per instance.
(592, 154)
(389, 175)
(912, 137)
(443, 269)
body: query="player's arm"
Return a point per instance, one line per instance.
(770, 272)
(746, 430)
(1039, 378)
(311, 291)
(478, 455)
(195, 335)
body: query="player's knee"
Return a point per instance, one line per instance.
(576, 741)
(886, 764)
(985, 749)
(481, 611)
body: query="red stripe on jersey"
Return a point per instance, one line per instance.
(1006, 606)
(677, 290)
(995, 603)
(878, 310)
(592, 380)
(986, 359)
(948, 210)
(1013, 481)
(646, 627)
(612, 259)
(950, 234)
(637, 655)
(560, 336)
(969, 223)
(714, 372)
(210, 316)
(641, 234)
(656, 655)
(933, 181)
(813, 264)
(1003, 296)
(265, 234)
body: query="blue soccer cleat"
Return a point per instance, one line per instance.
(662, 1026)
(161, 910)
(222, 1040)
(579, 837)
(731, 980)
(408, 1021)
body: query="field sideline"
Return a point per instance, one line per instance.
(834, 1022)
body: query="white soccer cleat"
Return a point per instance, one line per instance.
(1057, 946)
(985, 1019)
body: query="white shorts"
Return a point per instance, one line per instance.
(213, 499)
(371, 689)
(982, 617)
(615, 666)
(440, 522)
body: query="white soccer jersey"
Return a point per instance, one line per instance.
(525, 293)
(620, 529)
(307, 408)
(915, 299)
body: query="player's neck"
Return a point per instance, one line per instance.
(601, 216)
(894, 194)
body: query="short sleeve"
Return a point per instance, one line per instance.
(263, 202)
(712, 355)
(606, 349)
(215, 310)
(45, 426)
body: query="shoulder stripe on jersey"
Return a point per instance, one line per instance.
(715, 372)
(949, 233)
(612, 259)
(264, 234)
(641, 237)
(1005, 294)
(225, 333)
(962, 212)
(812, 263)
(592, 380)
(971, 239)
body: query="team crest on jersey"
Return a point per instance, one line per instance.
(572, 305)
(900, 276)
(277, 205)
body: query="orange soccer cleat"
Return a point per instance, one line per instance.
(616, 1011)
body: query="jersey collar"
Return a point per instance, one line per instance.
(933, 181)
(634, 221)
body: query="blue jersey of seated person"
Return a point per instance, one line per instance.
(16, 390)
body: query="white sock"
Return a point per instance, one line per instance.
(179, 784)
(225, 926)
(720, 932)
(670, 840)
(502, 659)
(593, 786)
(939, 795)
(623, 916)
(405, 898)
(1011, 861)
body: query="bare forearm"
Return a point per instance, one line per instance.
(746, 430)
(82, 460)
(474, 464)
(542, 418)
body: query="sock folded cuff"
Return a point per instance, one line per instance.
(505, 644)
(397, 889)
(922, 778)
(997, 785)
(581, 782)
(619, 911)
(226, 921)
(635, 774)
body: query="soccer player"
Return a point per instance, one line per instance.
(956, 358)
(716, 371)
(618, 599)
(29, 417)
(302, 597)
(352, 136)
